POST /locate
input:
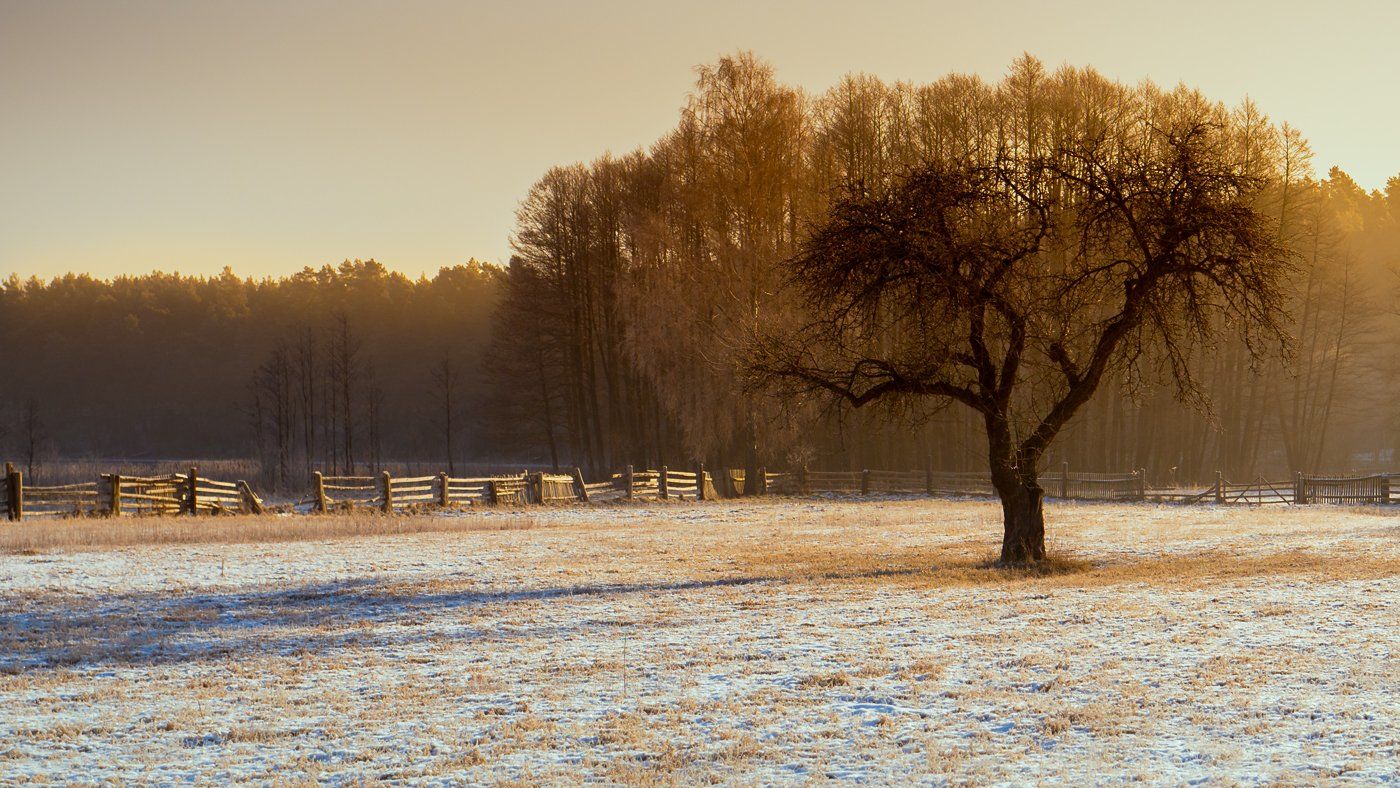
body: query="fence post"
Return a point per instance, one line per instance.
(1384, 488)
(802, 485)
(1300, 495)
(1141, 474)
(580, 489)
(662, 489)
(1064, 479)
(14, 479)
(700, 481)
(387, 484)
(319, 489)
(193, 496)
(762, 480)
(627, 481)
(865, 482)
(250, 500)
(114, 495)
(493, 496)
(535, 482)
(1219, 487)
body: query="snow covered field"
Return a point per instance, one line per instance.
(784, 640)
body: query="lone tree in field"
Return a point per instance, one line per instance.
(1067, 226)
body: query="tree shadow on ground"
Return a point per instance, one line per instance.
(154, 628)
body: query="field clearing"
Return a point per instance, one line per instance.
(770, 641)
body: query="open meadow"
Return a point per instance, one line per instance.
(782, 640)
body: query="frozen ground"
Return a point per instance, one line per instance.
(782, 641)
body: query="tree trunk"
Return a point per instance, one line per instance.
(1023, 516)
(1018, 486)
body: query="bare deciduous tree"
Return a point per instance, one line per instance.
(35, 434)
(445, 385)
(1080, 227)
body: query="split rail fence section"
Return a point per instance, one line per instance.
(389, 494)
(115, 495)
(1355, 490)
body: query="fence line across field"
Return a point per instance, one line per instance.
(116, 495)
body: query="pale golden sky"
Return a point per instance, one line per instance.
(271, 135)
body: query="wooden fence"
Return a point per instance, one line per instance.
(1301, 489)
(390, 494)
(1083, 486)
(115, 495)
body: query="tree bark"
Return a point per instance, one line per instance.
(1017, 483)
(1023, 517)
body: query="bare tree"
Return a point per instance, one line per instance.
(374, 417)
(274, 402)
(308, 371)
(345, 368)
(34, 436)
(445, 383)
(1078, 226)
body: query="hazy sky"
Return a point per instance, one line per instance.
(271, 135)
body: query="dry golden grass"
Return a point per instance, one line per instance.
(825, 680)
(943, 566)
(81, 534)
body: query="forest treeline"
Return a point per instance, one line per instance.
(337, 367)
(639, 279)
(617, 333)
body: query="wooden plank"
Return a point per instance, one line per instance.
(172, 478)
(33, 489)
(402, 500)
(250, 501)
(149, 488)
(59, 498)
(156, 498)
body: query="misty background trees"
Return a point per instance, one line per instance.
(617, 333)
(327, 368)
(685, 242)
